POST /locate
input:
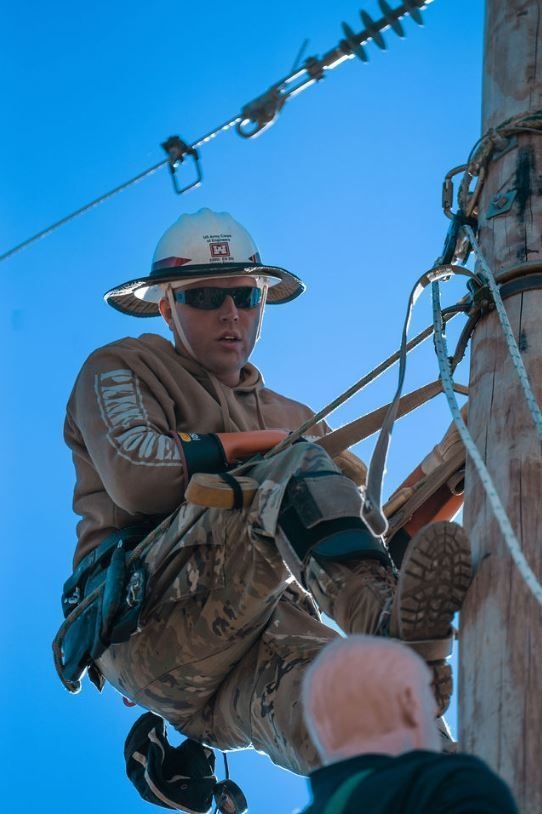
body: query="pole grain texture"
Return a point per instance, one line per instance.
(500, 680)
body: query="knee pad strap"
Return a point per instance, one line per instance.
(320, 515)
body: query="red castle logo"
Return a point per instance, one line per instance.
(220, 249)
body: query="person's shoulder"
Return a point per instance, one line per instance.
(463, 760)
(469, 781)
(449, 763)
(129, 346)
(269, 395)
(427, 782)
(472, 763)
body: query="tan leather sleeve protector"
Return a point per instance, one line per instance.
(241, 445)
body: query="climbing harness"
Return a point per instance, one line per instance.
(259, 114)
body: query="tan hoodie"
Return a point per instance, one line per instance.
(128, 399)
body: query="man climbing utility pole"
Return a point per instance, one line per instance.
(501, 628)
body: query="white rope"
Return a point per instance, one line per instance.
(510, 339)
(499, 511)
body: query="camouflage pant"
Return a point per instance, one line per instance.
(229, 632)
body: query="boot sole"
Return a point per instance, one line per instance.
(435, 577)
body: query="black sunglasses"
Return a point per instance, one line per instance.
(208, 298)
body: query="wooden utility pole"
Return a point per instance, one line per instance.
(500, 682)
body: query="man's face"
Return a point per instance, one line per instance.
(222, 339)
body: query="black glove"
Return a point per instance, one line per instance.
(152, 766)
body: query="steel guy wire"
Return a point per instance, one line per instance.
(510, 339)
(54, 226)
(499, 511)
(262, 111)
(145, 174)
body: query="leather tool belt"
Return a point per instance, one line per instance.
(113, 616)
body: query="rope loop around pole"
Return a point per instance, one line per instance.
(496, 141)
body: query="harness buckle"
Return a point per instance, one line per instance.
(135, 589)
(71, 601)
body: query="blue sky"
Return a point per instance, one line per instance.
(344, 190)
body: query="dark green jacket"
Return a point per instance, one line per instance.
(417, 782)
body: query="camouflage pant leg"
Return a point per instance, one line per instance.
(225, 582)
(215, 578)
(265, 689)
(357, 594)
(210, 656)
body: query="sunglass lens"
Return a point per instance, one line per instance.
(207, 298)
(246, 296)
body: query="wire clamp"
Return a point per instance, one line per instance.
(262, 112)
(314, 68)
(177, 150)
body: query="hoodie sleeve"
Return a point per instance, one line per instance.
(126, 425)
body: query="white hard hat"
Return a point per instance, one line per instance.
(204, 245)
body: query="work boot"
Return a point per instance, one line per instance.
(434, 577)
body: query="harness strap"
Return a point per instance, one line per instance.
(221, 491)
(361, 428)
(235, 487)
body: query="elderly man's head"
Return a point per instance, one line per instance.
(369, 695)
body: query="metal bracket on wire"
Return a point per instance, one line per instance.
(177, 150)
(261, 112)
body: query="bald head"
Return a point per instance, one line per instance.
(366, 694)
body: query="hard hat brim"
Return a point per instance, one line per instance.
(124, 299)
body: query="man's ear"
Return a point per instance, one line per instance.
(165, 310)
(410, 707)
